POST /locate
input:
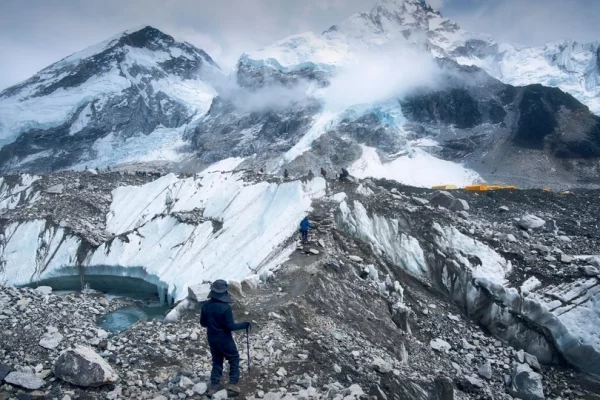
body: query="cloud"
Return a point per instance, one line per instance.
(35, 33)
(378, 76)
(274, 97)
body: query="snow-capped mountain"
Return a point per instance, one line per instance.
(571, 66)
(125, 99)
(399, 92)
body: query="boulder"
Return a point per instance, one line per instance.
(441, 198)
(44, 290)
(565, 259)
(24, 380)
(82, 366)
(381, 366)
(530, 221)
(220, 395)
(199, 292)
(459, 205)
(51, 339)
(485, 371)
(445, 199)
(440, 345)
(355, 258)
(200, 388)
(526, 384)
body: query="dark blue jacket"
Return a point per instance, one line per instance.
(305, 225)
(217, 318)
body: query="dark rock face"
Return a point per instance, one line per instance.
(228, 132)
(554, 119)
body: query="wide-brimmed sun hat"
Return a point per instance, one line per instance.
(219, 291)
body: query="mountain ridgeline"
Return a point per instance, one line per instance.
(145, 99)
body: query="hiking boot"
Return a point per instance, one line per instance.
(213, 389)
(232, 390)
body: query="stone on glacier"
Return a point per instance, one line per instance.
(440, 345)
(24, 380)
(82, 366)
(51, 340)
(526, 384)
(530, 221)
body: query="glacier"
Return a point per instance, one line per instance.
(555, 323)
(240, 229)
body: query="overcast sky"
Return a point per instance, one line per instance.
(36, 33)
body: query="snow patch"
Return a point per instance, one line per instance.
(417, 168)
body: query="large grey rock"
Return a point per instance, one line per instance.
(82, 366)
(44, 290)
(445, 199)
(530, 221)
(440, 345)
(526, 384)
(220, 395)
(566, 259)
(380, 365)
(200, 388)
(51, 339)
(441, 198)
(24, 380)
(485, 371)
(199, 292)
(459, 205)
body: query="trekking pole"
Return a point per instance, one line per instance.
(248, 346)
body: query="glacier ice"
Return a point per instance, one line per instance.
(254, 222)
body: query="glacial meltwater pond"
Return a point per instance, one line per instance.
(122, 319)
(143, 298)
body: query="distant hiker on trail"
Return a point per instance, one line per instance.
(324, 173)
(286, 174)
(217, 318)
(310, 174)
(304, 228)
(344, 175)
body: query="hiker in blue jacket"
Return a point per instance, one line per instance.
(217, 318)
(304, 228)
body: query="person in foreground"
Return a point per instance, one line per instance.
(217, 318)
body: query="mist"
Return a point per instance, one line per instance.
(378, 76)
(271, 97)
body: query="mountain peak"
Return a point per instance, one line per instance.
(146, 37)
